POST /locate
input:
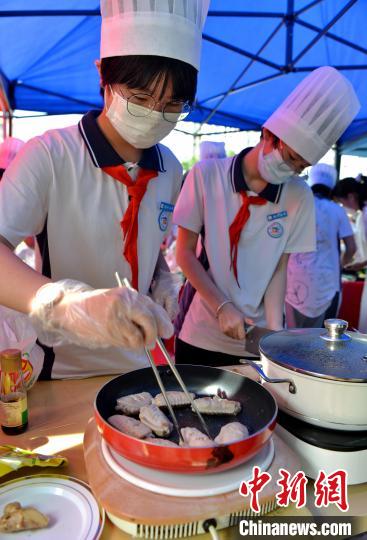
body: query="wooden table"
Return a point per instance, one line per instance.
(58, 414)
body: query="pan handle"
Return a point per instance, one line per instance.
(257, 367)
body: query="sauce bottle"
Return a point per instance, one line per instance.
(13, 394)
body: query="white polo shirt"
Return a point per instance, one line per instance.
(314, 278)
(360, 235)
(210, 198)
(56, 188)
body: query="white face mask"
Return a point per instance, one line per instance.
(273, 168)
(139, 131)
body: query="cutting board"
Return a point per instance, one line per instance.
(129, 502)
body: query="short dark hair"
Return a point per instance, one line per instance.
(140, 71)
(275, 138)
(350, 185)
(322, 190)
(346, 186)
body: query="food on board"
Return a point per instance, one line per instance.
(195, 438)
(176, 399)
(130, 426)
(132, 403)
(217, 405)
(232, 432)
(15, 518)
(153, 417)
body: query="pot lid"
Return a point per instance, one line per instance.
(331, 354)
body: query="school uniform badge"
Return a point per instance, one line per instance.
(275, 230)
(163, 218)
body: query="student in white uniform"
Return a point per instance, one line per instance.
(353, 195)
(8, 150)
(101, 194)
(313, 279)
(27, 250)
(252, 212)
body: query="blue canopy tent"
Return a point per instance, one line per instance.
(254, 54)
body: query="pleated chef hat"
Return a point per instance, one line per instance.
(170, 28)
(321, 173)
(212, 149)
(315, 114)
(8, 150)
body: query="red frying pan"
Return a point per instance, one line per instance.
(259, 411)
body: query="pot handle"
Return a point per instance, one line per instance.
(257, 367)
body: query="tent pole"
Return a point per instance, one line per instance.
(242, 52)
(5, 106)
(195, 144)
(239, 77)
(338, 158)
(332, 36)
(289, 21)
(57, 94)
(10, 117)
(242, 87)
(324, 30)
(309, 6)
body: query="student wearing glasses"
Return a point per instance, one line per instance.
(100, 195)
(251, 212)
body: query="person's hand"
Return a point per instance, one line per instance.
(99, 318)
(232, 321)
(165, 289)
(355, 267)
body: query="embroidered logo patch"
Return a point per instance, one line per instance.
(279, 215)
(275, 230)
(163, 218)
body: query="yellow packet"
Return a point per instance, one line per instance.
(13, 458)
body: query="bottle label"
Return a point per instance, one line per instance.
(14, 413)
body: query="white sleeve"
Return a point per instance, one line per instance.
(24, 193)
(345, 228)
(189, 209)
(175, 181)
(302, 237)
(178, 184)
(364, 211)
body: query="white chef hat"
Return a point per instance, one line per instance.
(321, 173)
(170, 28)
(8, 150)
(212, 149)
(315, 114)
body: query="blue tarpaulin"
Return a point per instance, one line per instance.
(254, 54)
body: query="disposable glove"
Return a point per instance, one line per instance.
(165, 289)
(95, 318)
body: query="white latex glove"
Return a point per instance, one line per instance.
(98, 317)
(165, 289)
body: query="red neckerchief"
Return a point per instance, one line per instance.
(238, 224)
(129, 223)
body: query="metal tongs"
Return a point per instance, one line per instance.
(125, 282)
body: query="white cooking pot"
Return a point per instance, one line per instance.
(319, 377)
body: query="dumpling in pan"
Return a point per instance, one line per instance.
(130, 426)
(232, 432)
(132, 403)
(195, 438)
(217, 405)
(176, 399)
(152, 416)
(162, 442)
